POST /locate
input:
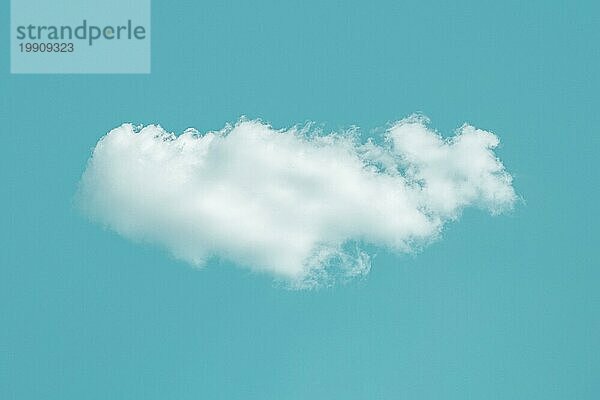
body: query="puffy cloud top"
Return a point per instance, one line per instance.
(291, 203)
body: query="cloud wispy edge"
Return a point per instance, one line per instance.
(292, 203)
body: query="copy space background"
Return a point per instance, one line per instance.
(501, 308)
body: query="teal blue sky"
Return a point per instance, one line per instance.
(503, 307)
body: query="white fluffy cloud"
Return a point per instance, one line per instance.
(292, 203)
